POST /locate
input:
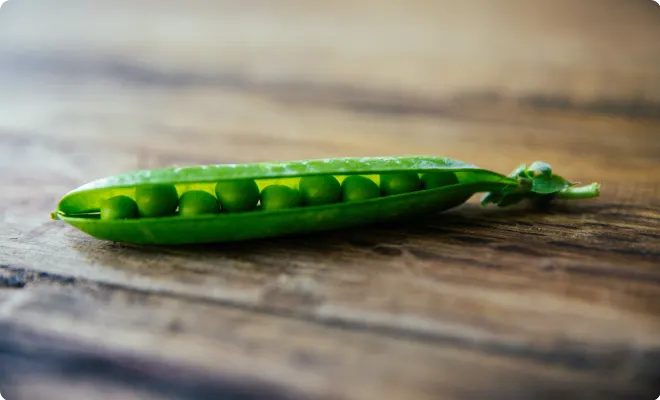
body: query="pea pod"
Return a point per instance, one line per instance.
(403, 197)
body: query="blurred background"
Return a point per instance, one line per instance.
(219, 81)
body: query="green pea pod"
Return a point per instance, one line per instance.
(81, 207)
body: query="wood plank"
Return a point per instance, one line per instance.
(463, 269)
(251, 129)
(418, 271)
(69, 333)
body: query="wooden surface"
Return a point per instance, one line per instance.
(474, 303)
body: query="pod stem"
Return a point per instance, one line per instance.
(539, 185)
(581, 192)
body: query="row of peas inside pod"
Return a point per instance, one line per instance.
(244, 195)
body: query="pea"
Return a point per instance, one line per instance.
(277, 197)
(119, 207)
(157, 200)
(196, 202)
(318, 190)
(400, 182)
(438, 179)
(238, 195)
(356, 188)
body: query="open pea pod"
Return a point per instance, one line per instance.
(231, 202)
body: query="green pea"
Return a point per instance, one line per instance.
(400, 182)
(238, 195)
(277, 197)
(438, 179)
(197, 202)
(318, 190)
(356, 188)
(157, 200)
(119, 207)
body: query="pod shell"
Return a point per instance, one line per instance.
(77, 208)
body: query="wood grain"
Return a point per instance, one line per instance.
(473, 303)
(239, 346)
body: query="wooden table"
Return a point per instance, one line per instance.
(473, 303)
